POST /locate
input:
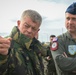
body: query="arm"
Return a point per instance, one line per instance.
(4, 46)
(64, 62)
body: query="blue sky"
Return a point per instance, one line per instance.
(52, 11)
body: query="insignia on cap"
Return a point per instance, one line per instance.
(54, 46)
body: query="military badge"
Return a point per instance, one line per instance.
(54, 46)
(72, 49)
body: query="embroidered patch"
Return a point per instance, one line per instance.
(72, 49)
(54, 46)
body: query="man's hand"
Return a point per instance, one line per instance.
(64, 55)
(4, 45)
(48, 58)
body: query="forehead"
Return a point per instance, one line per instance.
(51, 37)
(70, 15)
(26, 18)
(29, 22)
(29, 19)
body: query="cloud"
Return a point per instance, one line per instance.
(59, 1)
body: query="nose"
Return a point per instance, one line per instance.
(70, 21)
(29, 30)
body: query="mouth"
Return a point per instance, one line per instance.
(28, 36)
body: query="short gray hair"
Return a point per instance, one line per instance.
(34, 15)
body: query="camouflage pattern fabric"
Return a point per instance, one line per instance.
(24, 57)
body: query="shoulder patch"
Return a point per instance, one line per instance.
(54, 46)
(55, 39)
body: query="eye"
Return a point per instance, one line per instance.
(26, 26)
(67, 18)
(74, 19)
(34, 29)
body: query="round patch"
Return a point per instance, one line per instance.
(54, 46)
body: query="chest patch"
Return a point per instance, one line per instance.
(72, 49)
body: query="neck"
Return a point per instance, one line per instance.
(73, 35)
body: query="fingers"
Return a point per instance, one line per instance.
(4, 45)
(9, 38)
(64, 55)
(48, 58)
(4, 40)
(4, 51)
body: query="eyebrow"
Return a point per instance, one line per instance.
(27, 23)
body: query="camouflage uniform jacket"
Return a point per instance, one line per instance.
(24, 57)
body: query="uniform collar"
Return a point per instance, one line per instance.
(20, 38)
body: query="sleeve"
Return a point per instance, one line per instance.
(3, 63)
(63, 62)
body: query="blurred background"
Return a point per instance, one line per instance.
(52, 11)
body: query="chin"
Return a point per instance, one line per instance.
(71, 31)
(28, 36)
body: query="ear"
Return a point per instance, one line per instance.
(36, 35)
(18, 23)
(38, 30)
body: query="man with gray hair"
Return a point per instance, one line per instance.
(22, 53)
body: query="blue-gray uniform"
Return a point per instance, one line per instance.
(64, 54)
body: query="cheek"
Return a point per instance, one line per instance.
(66, 25)
(65, 22)
(21, 29)
(75, 26)
(33, 35)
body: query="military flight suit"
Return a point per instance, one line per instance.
(64, 54)
(24, 57)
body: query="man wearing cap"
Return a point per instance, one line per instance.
(64, 49)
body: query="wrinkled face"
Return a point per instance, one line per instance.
(28, 27)
(70, 22)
